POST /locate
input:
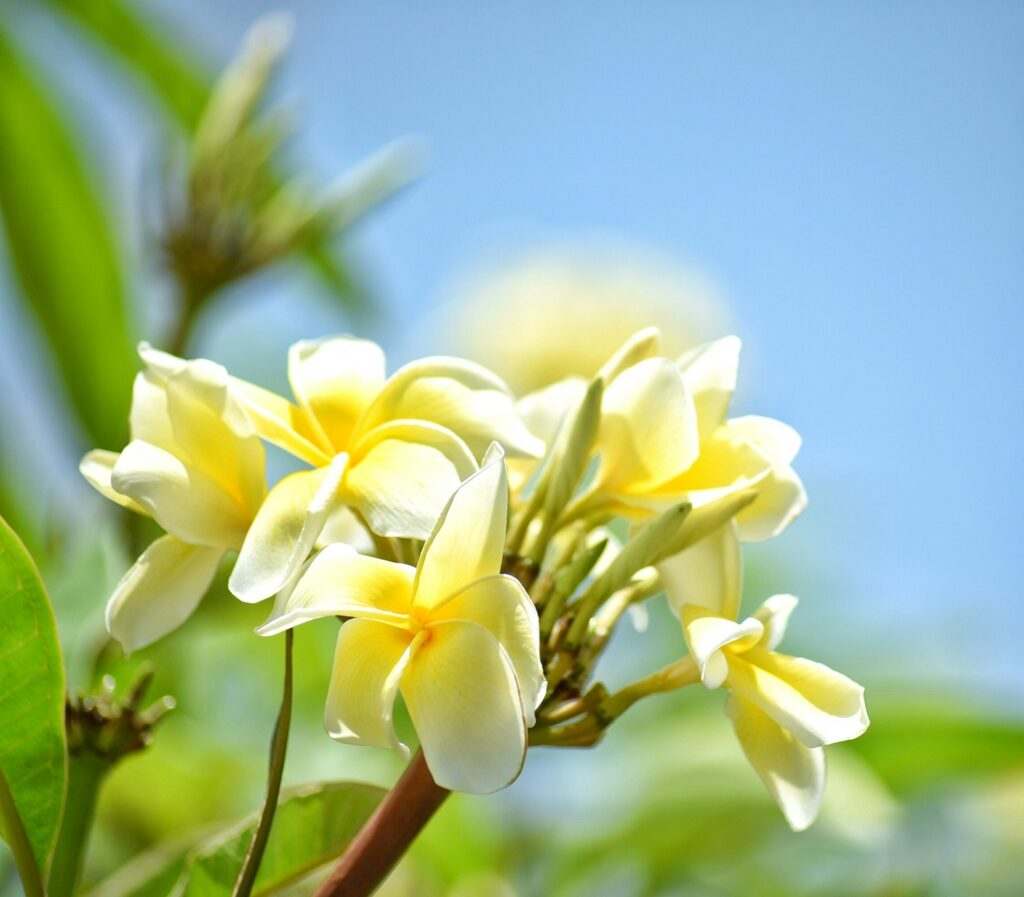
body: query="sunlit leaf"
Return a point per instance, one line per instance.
(33, 750)
(313, 825)
(63, 252)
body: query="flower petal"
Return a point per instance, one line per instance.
(779, 441)
(459, 395)
(817, 704)
(369, 661)
(500, 604)
(710, 373)
(183, 500)
(468, 539)
(793, 772)
(464, 701)
(402, 474)
(97, 467)
(709, 573)
(774, 614)
(335, 380)
(648, 431)
(341, 583)
(213, 434)
(285, 531)
(707, 634)
(160, 591)
(780, 500)
(148, 419)
(280, 422)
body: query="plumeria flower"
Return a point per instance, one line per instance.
(456, 637)
(391, 449)
(784, 709)
(194, 464)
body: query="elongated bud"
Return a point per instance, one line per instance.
(573, 451)
(704, 520)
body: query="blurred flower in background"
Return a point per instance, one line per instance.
(563, 308)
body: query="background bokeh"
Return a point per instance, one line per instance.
(839, 185)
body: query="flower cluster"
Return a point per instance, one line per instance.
(467, 542)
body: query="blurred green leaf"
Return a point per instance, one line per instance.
(914, 744)
(141, 45)
(63, 252)
(33, 750)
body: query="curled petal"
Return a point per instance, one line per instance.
(793, 772)
(707, 634)
(148, 419)
(464, 701)
(817, 704)
(462, 397)
(402, 474)
(779, 441)
(468, 539)
(648, 432)
(500, 604)
(780, 500)
(335, 380)
(97, 467)
(369, 662)
(160, 591)
(341, 583)
(710, 373)
(285, 531)
(774, 615)
(708, 574)
(183, 500)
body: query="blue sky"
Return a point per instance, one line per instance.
(850, 174)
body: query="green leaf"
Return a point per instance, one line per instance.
(33, 750)
(63, 252)
(174, 79)
(313, 825)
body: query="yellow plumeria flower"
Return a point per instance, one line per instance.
(457, 638)
(784, 709)
(196, 465)
(393, 449)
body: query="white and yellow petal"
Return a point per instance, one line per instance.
(793, 772)
(283, 424)
(709, 573)
(160, 591)
(774, 615)
(461, 691)
(462, 397)
(335, 380)
(183, 500)
(339, 582)
(710, 373)
(648, 432)
(402, 475)
(97, 467)
(707, 634)
(285, 531)
(369, 662)
(817, 704)
(468, 539)
(501, 605)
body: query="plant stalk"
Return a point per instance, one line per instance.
(387, 834)
(17, 841)
(86, 772)
(278, 750)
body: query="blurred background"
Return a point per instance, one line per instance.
(839, 185)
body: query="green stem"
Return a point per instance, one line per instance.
(17, 840)
(86, 772)
(278, 749)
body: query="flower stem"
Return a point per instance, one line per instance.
(278, 750)
(17, 841)
(86, 772)
(387, 834)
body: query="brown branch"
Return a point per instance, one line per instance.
(387, 834)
